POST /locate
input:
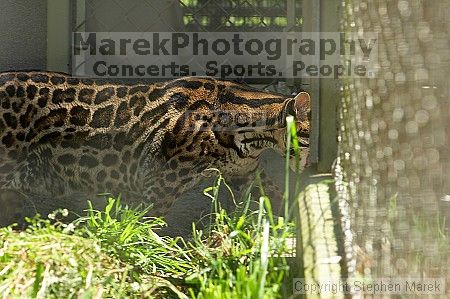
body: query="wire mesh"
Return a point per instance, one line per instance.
(232, 15)
(394, 135)
(190, 15)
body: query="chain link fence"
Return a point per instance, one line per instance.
(188, 15)
(394, 158)
(238, 15)
(192, 16)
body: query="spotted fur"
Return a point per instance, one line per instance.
(61, 135)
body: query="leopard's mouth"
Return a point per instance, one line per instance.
(302, 150)
(292, 151)
(303, 143)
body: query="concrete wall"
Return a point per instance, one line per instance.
(23, 34)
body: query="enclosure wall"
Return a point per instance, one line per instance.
(23, 34)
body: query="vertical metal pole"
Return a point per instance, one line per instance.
(58, 35)
(329, 93)
(78, 25)
(311, 23)
(80, 15)
(290, 15)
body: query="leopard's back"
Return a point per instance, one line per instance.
(41, 107)
(86, 132)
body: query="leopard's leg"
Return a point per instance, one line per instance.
(258, 183)
(35, 186)
(13, 199)
(273, 191)
(166, 186)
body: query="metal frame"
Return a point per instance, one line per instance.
(329, 92)
(323, 16)
(312, 24)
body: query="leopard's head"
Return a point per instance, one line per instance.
(258, 122)
(299, 108)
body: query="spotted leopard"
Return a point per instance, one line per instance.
(63, 135)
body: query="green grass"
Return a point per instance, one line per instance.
(240, 255)
(51, 259)
(117, 253)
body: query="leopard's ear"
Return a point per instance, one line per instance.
(299, 107)
(302, 106)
